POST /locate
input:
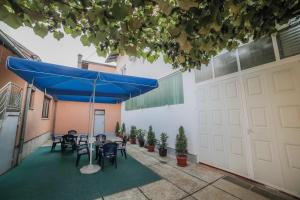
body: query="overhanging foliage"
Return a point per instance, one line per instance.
(186, 32)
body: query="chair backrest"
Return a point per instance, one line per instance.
(101, 138)
(110, 149)
(72, 132)
(68, 138)
(83, 138)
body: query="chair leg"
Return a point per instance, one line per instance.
(97, 153)
(77, 160)
(122, 152)
(102, 165)
(53, 146)
(99, 160)
(115, 160)
(125, 153)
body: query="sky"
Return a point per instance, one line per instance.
(63, 52)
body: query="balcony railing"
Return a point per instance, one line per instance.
(10, 99)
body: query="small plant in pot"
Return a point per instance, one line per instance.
(117, 129)
(140, 137)
(163, 145)
(181, 148)
(122, 130)
(151, 141)
(132, 135)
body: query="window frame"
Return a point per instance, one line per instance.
(32, 98)
(45, 110)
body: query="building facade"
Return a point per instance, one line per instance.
(22, 130)
(75, 115)
(241, 112)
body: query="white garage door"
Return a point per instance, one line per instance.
(250, 124)
(221, 135)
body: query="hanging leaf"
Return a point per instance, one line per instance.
(186, 33)
(187, 4)
(85, 40)
(58, 35)
(40, 29)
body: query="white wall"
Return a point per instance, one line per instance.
(166, 118)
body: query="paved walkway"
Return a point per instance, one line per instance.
(194, 182)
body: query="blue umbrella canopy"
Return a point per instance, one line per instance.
(73, 84)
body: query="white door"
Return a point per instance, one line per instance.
(99, 122)
(256, 110)
(220, 125)
(264, 148)
(284, 87)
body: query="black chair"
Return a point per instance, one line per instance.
(100, 140)
(55, 140)
(122, 147)
(82, 149)
(72, 132)
(83, 139)
(68, 141)
(108, 151)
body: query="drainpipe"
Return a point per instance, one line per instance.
(79, 61)
(54, 117)
(24, 122)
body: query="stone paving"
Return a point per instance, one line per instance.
(194, 182)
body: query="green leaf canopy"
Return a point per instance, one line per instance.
(186, 32)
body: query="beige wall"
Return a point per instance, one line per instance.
(101, 68)
(75, 115)
(5, 75)
(36, 126)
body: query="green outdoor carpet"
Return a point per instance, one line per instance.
(45, 175)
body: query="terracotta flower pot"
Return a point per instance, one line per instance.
(132, 141)
(162, 152)
(151, 148)
(181, 161)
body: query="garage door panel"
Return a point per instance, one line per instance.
(285, 94)
(223, 115)
(289, 116)
(261, 131)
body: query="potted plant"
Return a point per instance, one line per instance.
(122, 130)
(140, 137)
(163, 145)
(117, 129)
(132, 135)
(151, 141)
(181, 148)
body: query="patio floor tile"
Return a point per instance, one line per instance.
(202, 172)
(237, 191)
(182, 180)
(142, 158)
(212, 193)
(132, 194)
(189, 198)
(162, 190)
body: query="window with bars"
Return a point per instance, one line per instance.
(169, 92)
(256, 53)
(46, 104)
(289, 41)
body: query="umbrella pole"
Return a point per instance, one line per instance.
(90, 168)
